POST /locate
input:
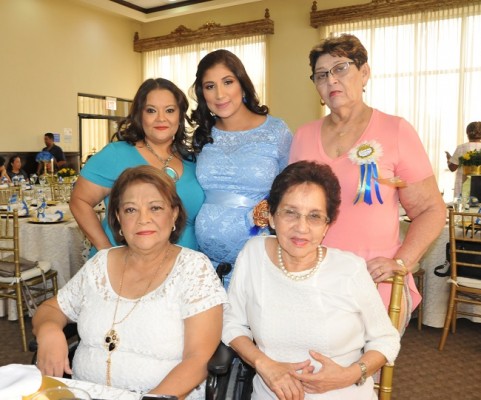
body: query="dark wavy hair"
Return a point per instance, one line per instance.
(11, 160)
(162, 182)
(130, 129)
(307, 172)
(202, 116)
(473, 130)
(345, 45)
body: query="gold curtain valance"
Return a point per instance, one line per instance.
(380, 9)
(208, 32)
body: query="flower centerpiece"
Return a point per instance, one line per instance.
(67, 174)
(471, 162)
(44, 157)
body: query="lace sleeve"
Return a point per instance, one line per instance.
(71, 297)
(201, 288)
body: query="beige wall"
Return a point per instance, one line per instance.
(50, 51)
(53, 49)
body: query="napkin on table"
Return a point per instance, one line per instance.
(17, 380)
(50, 217)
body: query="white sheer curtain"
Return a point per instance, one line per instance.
(179, 64)
(426, 68)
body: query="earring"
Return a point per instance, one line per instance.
(322, 103)
(244, 100)
(173, 228)
(121, 233)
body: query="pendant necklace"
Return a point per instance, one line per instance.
(297, 277)
(112, 339)
(168, 170)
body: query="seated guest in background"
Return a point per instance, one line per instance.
(473, 131)
(55, 151)
(14, 169)
(149, 312)
(3, 171)
(153, 133)
(308, 318)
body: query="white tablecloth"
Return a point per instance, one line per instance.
(97, 391)
(436, 289)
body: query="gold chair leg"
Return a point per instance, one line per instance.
(21, 321)
(421, 305)
(449, 316)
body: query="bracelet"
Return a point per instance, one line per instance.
(400, 262)
(363, 377)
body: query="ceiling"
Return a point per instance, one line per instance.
(153, 10)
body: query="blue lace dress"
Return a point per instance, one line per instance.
(236, 172)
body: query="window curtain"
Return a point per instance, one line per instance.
(426, 68)
(179, 64)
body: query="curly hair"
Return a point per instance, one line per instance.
(307, 172)
(202, 115)
(162, 182)
(130, 129)
(473, 130)
(345, 45)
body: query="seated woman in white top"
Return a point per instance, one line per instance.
(149, 313)
(308, 318)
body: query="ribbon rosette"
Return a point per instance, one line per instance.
(260, 218)
(366, 155)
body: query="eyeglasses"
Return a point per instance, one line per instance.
(337, 71)
(313, 218)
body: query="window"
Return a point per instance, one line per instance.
(179, 64)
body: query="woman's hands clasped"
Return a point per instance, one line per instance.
(290, 381)
(281, 377)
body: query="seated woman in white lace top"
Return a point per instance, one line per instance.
(149, 313)
(314, 313)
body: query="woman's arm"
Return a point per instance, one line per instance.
(48, 323)
(332, 376)
(425, 207)
(201, 337)
(85, 196)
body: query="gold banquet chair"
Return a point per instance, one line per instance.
(385, 385)
(465, 260)
(22, 280)
(6, 193)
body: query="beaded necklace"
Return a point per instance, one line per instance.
(296, 277)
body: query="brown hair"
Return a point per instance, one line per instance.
(162, 182)
(473, 130)
(307, 172)
(345, 45)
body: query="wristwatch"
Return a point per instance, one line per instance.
(400, 262)
(363, 377)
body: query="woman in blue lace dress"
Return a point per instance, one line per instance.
(243, 150)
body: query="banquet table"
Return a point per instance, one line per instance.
(436, 289)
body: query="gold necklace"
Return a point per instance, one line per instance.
(168, 170)
(112, 339)
(296, 277)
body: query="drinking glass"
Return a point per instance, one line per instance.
(33, 179)
(62, 393)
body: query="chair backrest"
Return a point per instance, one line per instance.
(465, 244)
(386, 382)
(6, 193)
(9, 239)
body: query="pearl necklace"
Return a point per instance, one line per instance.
(293, 276)
(112, 339)
(168, 170)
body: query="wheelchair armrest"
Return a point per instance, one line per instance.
(221, 361)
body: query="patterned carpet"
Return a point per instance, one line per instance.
(422, 372)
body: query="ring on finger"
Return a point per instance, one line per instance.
(380, 271)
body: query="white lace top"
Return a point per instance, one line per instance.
(337, 312)
(152, 337)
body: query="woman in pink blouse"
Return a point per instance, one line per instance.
(379, 160)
